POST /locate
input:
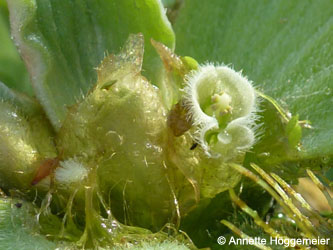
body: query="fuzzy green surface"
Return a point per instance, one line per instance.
(24, 144)
(120, 130)
(18, 229)
(25, 138)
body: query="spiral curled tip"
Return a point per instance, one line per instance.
(221, 104)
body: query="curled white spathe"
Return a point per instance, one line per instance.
(221, 101)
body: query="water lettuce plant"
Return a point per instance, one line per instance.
(140, 120)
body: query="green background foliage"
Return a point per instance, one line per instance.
(284, 47)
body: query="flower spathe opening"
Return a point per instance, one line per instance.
(221, 103)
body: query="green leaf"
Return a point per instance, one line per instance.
(18, 228)
(63, 41)
(12, 70)
(285, 47)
